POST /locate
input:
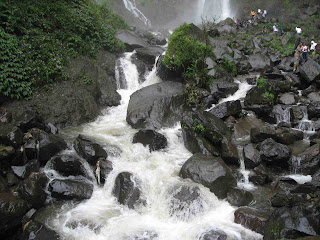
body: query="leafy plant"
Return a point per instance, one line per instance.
(85, 79)
(198, 127)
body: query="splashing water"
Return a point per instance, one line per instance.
(101, 217)
(216, 9)
(244, 183)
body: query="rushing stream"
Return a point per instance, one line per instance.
(102, 217)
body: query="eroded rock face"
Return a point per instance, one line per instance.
(89, 150)
(156, 106)
(68, 189)
(127, 191)
(209, 171)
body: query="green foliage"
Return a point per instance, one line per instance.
(198, 127)
(85, 79)
(184, 49)
(40, 37)
(262, 82)
(268, 96)
(229, 66)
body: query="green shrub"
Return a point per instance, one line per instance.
(43, 35)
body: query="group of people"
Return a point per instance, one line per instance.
(301, 52)
(259, 14)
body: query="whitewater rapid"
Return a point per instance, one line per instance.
(103, 218)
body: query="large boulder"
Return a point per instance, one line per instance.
(29, 119)
(131, 40)
(12, 209)
(10, 135)
(238, 197)
(275, 154)
(226, 109)
(167, 74)
(156, 106)
(33, 190)
(310, 71)
(43, 146)
(68, 165)
(209, 171)
(251, 156)
(251, 218)
(292, 223)
(68, 189)
(260, 134)
(310, 160)
(26, 170)
(103, 169)
(155, 140)
(185, 202)
(314, 110)
(243, 126)
(259, 62)
(213, 235)
(220, 47)
(89, 150)
(126, 190)
(148, 55)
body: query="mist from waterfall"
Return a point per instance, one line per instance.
(214, 9)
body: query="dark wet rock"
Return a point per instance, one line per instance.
(229, 152)
(3, 185)
(288, 136)
(68, 189)
(264, 112)
(238, 197)
(314, 97)
(310, 71)
(213, 235)
(6, 152)
(43, 146)
(310, 160)
(307, 188)
(220, 47)
(10, 135)
(244, 125)
(185, 202)
(259, 62)
(89, 150)
(294, 79)
(12, 209)
(260, 134)
(26, 170)
(286, 64)
(12, 180)
(275, 59)
(209, 171)
(251, 156)
(226, 109)
(131, 40)
(283, 114)
(292, 223)
(33, 190)
(316, 179)
(251, 218)
(280, 200)
(167, 74)
(287, 99)
(149, 54)
(156, 106)
(67, 165)
(155, 140)
(5, 117)
(314, 110)
(280, 85)
(126, 190)
(220, 88)
(275, 154)
(103, 169)
(29, 119)
(37, 231)
(254, 97)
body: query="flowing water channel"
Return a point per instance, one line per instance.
(102, 217)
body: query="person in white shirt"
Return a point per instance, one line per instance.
(264, 14)
(298, 30)
(275, 29)
(313, 48)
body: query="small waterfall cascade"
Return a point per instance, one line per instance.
(306, 125)
(216, 9)
(282, 113)
(296, 171)
(295, 164)
(131, 6)
(163, 217)
(244, 182)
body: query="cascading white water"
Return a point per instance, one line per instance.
(102, 218)
(216, 9)
(306, 125)
(244, 183)
(131, 6)
(282, 114)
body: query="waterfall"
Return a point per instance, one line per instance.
(102, 217)
(244, 183)
(282, 114)
(305, 124)
(217, 9)
(131, 6)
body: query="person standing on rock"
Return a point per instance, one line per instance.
(298, 30)
(264, 30)
(264, 15)
(305, 50)
(275, 30)
(313, 48)
(297, 57)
